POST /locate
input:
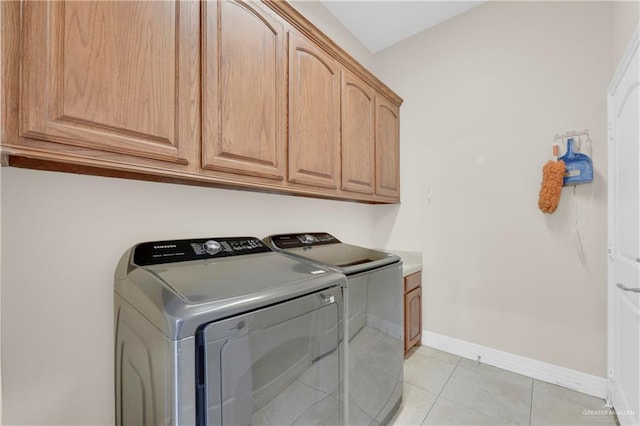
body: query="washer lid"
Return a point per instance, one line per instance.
(326, 250)
(251, 276)
(179, 295)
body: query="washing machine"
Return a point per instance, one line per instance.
(223, 331)
(374, 320)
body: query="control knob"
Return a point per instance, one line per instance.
(212, 247)
(307, 239)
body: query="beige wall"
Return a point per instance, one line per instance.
(62, 236)
(485, 93)
(625, 16)
(1, 387)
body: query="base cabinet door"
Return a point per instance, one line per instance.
(244, 89)
(358, 149)
(387, 137)
(412, 310)
(413, 318)
(314, 115)
(120, 77)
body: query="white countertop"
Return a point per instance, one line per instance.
(411, 260)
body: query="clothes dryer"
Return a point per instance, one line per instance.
(223, 331)
(374, 319)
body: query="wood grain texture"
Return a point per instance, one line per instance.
(305, 27)
(84, 87)
(358, 144)
(387, 137)
(244, 83)
(115, 167)
(413, 318)
(412, 281)
(314, 115)
(118, 66)
(9, 70)
(114, 76)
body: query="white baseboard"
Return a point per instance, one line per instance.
(561, 376)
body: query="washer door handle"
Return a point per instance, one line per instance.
(625, 288)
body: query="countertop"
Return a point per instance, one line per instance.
(411, 260)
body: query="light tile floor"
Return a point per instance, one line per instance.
(442, 389)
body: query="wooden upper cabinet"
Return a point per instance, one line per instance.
(358, 150)
(219, 92)
(387, 137)
(244, 89)
(314, 115)
(118, 76)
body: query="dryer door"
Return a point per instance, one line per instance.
(277, 365)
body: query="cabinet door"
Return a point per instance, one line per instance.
(244, 85)
(314, 115)
(413, 318)
(118, 76)
(358, 153)
(387, 148)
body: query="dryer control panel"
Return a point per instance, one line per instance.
(287, 241)
(158, 252)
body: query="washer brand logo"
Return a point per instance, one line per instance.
(166, 246)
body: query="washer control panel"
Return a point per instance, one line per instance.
(159, 252)
(286, 241)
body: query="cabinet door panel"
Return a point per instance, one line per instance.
(115, 76)
(412, 281)
(245, 90)
(314, 123)
(387, 148)
(413, 318)
(357, 135)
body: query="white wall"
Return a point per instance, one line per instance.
(485, 93)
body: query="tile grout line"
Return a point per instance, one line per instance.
(480, 373)
(439, 393)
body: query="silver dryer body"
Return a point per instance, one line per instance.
(218, 334)
(374, 320)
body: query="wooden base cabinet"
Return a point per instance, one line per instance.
(412, 310)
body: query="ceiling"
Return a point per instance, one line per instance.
(379, 24)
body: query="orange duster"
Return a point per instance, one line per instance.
(552, 174)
